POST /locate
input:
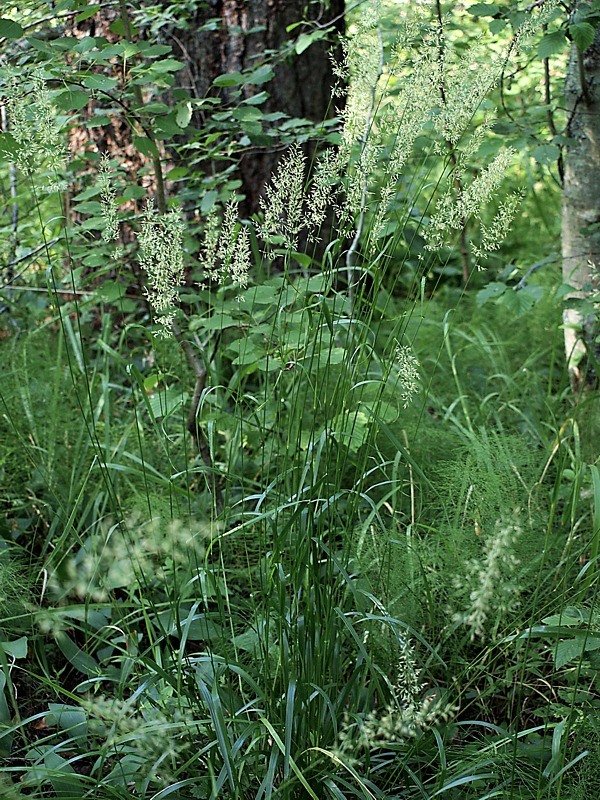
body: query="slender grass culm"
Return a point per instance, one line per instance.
(283, 518)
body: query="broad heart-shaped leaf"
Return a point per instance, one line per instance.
(87, 13)
(152, 50)
(218, 322)
(146, 146)
(246, 114)
(582, 34)
(546, 154)
(327, 358)
(183, 114)
(566, 618)
(304, 41)
(201, 626)
(229, 79)
(522, 301)
(72, 100)
(208, 201)
(82, 661)
(65, 781)
(492, 291)
(125, 771)
(483, 9)
(262, 295)
(552, 43)
(166, 126)
(10, 29)
(166, 65)
(570, 649)
(102, 83)
(248, 351)
(261, 74)
(497, 25)
(164, 402)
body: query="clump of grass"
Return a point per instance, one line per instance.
(16, 593)
(306, 629)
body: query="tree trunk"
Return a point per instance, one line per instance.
(247, 30)
(225, 36)
(581, 212)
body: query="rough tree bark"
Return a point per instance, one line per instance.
(581, 211)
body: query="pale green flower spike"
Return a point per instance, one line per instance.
(408, 373)
(112, 558)
(405, 718)
(493, 591)
(225, 249)
(323, 185)
(493, 235)
(451, 214)
(161, 257)
(108, 201)
(283, 204)
(34, 127)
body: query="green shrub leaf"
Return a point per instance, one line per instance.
(10, 29)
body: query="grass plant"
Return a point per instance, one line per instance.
(301, 530)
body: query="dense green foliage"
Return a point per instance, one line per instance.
(281, 517)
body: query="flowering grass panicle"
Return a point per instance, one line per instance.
(134, 727)
(108, 200)
(226, 244)
(161, 257)
(324, 182)
(242, 259)
(361, 67)
(225, 249)
(410, 713)
(35, 129)
(407, 366)
(492, 590)
(493, 234)
(401, 121)
(464, 85)
(209, 247)
(118, 558)
(283, 204)
(233, 248)
(451, 213)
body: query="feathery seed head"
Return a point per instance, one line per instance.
(34, 127)
(407, 365)
(452, 213)
(361, 68)
(161, 257)
(493, 235)
(226, 249)
(490, 582)
(283, 204)
(409, 714)
(323, 185)
(114, 558)
(108, 202)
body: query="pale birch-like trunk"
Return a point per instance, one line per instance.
(581, 212)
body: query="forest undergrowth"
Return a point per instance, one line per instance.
(287, 509)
